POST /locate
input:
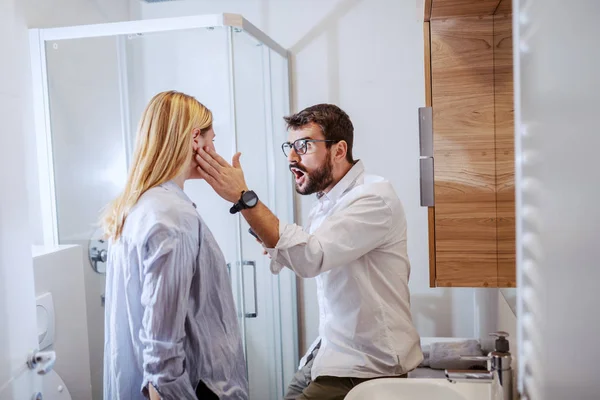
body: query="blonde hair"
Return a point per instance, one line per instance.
(163, 150)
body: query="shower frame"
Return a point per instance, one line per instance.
(38, 38)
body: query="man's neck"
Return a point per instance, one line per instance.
(337, 177)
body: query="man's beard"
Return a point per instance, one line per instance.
(318, 180)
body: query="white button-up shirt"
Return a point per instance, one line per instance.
(355, 246)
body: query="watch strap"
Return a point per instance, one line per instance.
(237, 207)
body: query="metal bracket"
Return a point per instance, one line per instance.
(426, 163)
(42, 360)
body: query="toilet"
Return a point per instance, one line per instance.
(53, 387)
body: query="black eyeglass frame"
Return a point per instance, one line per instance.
(293, 145)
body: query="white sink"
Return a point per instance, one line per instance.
(426, 389)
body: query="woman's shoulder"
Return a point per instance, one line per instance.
(160, 211)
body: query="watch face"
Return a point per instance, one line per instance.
(250, 198)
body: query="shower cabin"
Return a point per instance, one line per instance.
(91, 84)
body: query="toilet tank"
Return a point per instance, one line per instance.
(59, 271)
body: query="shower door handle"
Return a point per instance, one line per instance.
(253, 314)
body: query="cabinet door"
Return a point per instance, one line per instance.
(462, 69)
(469, 84)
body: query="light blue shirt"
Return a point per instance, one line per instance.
(170, 318)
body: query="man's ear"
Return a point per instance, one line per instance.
(196, 133)
(341, 150)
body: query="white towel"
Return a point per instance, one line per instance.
(425, 349)
(446, 355)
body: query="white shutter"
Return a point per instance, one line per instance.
(557, 143)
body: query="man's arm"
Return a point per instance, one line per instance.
(345, 236)
(264, 223)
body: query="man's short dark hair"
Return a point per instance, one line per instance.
(335, 124)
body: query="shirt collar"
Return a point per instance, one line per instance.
(346, 183)
(171, 186)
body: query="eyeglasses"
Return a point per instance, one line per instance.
(301, 146)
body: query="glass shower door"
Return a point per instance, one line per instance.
(261, 92)
(257, 282)
(282, 203)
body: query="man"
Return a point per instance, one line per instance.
(354, 244)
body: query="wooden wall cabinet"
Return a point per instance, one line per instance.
(469, 85)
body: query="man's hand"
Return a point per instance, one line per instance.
(229, 183)
(227, 180)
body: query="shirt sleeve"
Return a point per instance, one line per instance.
(343, 237)
(168, 263)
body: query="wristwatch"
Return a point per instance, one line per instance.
(248, 199)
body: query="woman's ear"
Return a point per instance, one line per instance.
(196, 133)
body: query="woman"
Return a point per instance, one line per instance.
(171, 325)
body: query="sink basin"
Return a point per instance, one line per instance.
(416, 389)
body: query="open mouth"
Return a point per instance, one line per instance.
(299, 175)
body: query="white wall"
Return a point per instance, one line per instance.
(18, 156)
(17, 303)
(367, 57)
(77, 205)
(59, 271)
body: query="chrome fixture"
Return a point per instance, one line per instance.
(498, 368)
(98, 252)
